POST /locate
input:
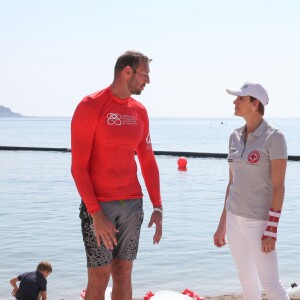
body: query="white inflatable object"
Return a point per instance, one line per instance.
(169, 295)
(294, 291)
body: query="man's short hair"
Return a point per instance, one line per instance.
(44, 266)
(130, 58)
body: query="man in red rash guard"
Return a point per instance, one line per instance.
(108, 128)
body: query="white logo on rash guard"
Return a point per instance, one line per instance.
(114, 119)
(117, 119)
(148, 139)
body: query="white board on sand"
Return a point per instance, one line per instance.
(294, 291)
(168, 295)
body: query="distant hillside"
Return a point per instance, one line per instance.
(6, 112)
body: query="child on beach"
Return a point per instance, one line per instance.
(33, 285)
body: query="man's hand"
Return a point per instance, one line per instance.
(156, 218)
(104, 230)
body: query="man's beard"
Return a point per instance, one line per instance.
(134, 90)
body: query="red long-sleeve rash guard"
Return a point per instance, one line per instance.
(106, 132)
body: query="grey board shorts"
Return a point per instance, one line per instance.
(127, 216)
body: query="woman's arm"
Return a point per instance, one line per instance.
(219, 236)
(278, 169)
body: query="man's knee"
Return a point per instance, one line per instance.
(99, 275)
(121, 270)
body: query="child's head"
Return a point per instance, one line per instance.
(44, 267)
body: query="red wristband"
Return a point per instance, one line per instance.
(271, 230)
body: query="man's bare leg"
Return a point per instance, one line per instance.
(121, 274)
(98, 279)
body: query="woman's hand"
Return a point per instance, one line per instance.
(268, 244)
(219, 236)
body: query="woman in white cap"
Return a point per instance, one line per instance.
(254, 197)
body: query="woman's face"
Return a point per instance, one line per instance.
(243, 106)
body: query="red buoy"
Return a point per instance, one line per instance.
(182, 162)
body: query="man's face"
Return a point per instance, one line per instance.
(139, 78)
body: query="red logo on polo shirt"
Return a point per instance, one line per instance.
(253, 157)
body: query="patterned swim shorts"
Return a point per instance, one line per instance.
(127, 216)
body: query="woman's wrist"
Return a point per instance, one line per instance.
(271, 230)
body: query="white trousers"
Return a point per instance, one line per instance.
(244, 239)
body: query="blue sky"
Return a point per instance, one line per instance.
(54, 52)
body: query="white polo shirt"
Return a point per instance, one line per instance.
(250, 194)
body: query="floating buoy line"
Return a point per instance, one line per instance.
(167, 153)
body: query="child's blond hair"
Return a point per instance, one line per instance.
(44, 266)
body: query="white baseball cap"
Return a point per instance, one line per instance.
(252, 89)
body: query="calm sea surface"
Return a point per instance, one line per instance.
(39, 209)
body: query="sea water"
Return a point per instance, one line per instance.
(39, 209)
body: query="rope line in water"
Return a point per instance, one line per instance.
(168, 153)
(16, 148)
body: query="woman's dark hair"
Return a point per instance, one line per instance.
(130, 58)
(261, 108)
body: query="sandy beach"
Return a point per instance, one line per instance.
(226, 297)
(222, 297)
(229, 297)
